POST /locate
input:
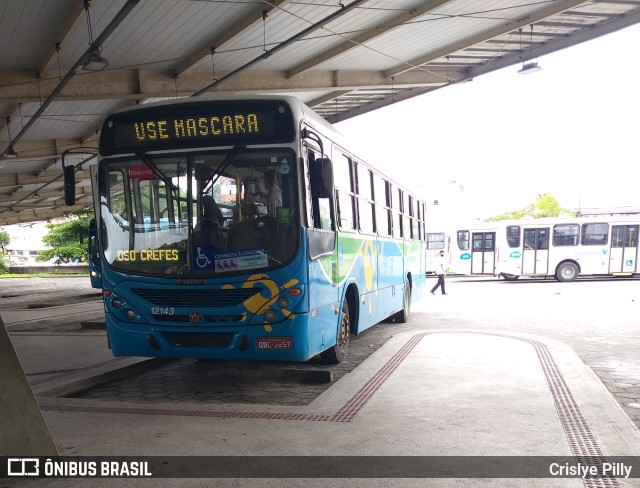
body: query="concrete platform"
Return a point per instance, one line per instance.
(426, 392)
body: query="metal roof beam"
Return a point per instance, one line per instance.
(122, 84)
(120, 16)
(367, 36)
(31, 215)
(328, 97)
(555, 8)
(34, 179)
(42, 149)
(564, 25)
(76, 22)
(289, 41)
(220, 40)
(588, 33)
(397, 97)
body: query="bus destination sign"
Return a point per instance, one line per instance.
(213, 126)
(197, 124)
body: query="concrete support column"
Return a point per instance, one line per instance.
(23, 431)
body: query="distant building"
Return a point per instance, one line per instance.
(447, 206)
(26, 243)
(608, 211)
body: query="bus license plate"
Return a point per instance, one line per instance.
(273, 342)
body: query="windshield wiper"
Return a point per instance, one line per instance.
(223, 165)
(158, 171)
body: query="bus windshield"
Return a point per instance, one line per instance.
(200, 214)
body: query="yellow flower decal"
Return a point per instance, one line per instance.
(259, 304)
(368, 251)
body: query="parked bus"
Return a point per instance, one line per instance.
(95, 274)
(568, 247)
(468, 251)
(243, 228)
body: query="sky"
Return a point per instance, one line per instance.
(571, 129)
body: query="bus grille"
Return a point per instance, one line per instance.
(199, 339)
(195, 298)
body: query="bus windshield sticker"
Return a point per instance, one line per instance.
(284, 167)
(144, 172)
(226, 262)
(283, 215)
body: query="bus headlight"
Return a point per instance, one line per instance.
(116, 302)
(270, 315)
(131, 314)
(283, 302)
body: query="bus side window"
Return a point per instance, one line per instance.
(435, 240)
(513, 235)
(345, 195)
(594, 234)
(321, 206)
(383, 207)
(566, 234)
(366, 207)
(462, 237)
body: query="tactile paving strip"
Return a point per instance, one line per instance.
(583, 442)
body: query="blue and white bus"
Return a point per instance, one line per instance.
(242, 227)
(95, 274)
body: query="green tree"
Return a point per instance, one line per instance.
(545, 206)
(5, 238)
(68, 240)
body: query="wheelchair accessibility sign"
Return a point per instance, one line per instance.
(203, 257)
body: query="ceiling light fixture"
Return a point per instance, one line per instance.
(9, 152)
(529, 66)
(94, 61)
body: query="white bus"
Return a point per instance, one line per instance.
(469, 251)
(567, 247)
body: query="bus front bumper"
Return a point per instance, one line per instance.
(285, 341)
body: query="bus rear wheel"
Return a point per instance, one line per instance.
(338, 352)
(567, 272)
(402, 316)
(510, 277)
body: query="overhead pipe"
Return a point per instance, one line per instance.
(117, 20)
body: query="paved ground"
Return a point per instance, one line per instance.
(597, 318)
(463, 377)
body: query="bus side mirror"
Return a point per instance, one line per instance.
(322, 178)
(69, 185)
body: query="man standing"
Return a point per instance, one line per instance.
(440, 267)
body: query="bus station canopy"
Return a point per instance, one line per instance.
(65, 65)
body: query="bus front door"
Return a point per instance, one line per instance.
(483, 252)
(624, 249)
(535, 252)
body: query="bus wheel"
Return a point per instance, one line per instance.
(567, 272)
(402, 316)
(338, 353)
(510, 277)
